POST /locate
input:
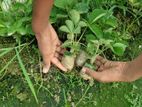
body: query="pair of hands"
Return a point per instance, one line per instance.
(107, 71)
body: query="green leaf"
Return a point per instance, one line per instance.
(90, 37)
(70, 25)
(119, 48)
(112, 21)
(60, 3)
(11, 31)
(82, 7)
(26, 75)
(64, 4)
(3, 32)
(22, 31)
(82, 24)
(96, 29)
(96, 15)
(22, 96)
(70, 36)
(5, 5)
(74, 16)
(66, 44)
(77, 30)
(90, 48)
(2, 26)
(64, 29)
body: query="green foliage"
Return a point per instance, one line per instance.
(119, 48)
(15, 18)
(99, 27)
(73, 29)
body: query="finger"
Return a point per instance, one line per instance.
(98, 63)
(57, 63)
(46, 68)
(58, 44)
(101, 68)
(105, 76)
(60, 50)
(101, 59)
(94, 74)
(58, 56)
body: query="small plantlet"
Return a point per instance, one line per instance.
(73, 29)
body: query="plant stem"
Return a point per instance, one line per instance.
(83, 96)
(82, 35)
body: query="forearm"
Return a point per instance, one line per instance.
(41, 13)
(136, 66)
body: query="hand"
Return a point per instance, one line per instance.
(49, 46)
(111, 71)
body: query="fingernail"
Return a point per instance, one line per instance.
(84, 69)
(45, 69)
(65, 70)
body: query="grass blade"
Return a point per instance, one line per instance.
(7, 65)
(26, 75)
(5, 52)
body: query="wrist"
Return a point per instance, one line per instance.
(133, 70)
(136, 66)
(39, 28)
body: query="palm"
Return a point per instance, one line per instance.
(108, 71)
(54, 50)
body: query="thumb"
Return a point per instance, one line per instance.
(46, 67)
(94, 74)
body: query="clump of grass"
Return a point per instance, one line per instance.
(26, 75)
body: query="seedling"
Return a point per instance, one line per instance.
(73, 29)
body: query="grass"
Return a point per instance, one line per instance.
(23, 84)
(26, 75)
(62, 90)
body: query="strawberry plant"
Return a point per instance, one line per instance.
(73, 29)
(15, 18)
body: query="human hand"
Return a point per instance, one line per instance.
(111, 71)
(50, 48)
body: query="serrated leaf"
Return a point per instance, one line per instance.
(66, 44)
(70, 25)
(82, 7)
(82, 24)
(74, 16)
(64, 29)
(77, 30)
